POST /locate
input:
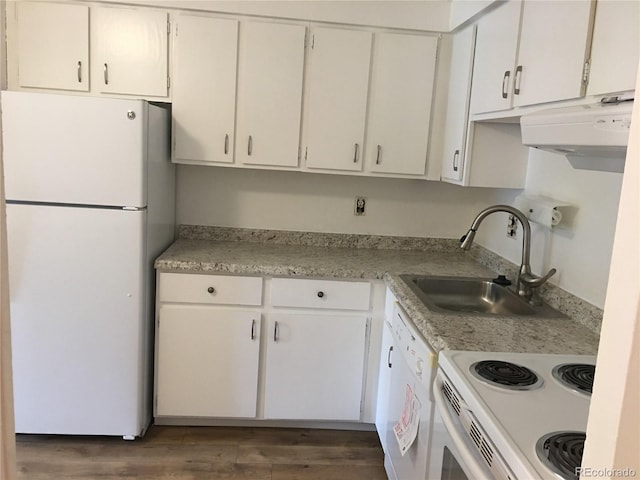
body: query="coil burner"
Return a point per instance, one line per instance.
(561, 452)
(506, 375)
(576, 376)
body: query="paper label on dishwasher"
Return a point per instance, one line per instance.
(406, 430)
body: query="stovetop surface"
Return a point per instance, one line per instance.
(515, 419)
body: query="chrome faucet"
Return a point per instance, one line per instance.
(527, 282)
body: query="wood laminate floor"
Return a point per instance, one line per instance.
(198, 453)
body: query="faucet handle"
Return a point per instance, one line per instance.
(534, 281)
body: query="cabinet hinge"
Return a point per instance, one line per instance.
(586, 71)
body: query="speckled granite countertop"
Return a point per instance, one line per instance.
(267, 253)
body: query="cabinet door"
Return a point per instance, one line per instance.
(270, 70)
(314, 366)
(204, 88)
(401, 92)
(338, 79)
(53, 46)
(616, 29)
(207, 361)
(131, 51)
(554, 43)
(495, 56)
(456, 124)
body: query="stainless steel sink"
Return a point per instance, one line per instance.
(476, 296)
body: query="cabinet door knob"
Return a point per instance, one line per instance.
(389, 356)
(253, 329)
(106, 74)
(456, 155)
(378, 155)
(211, 290)
(226, 143)
(250, 146)
(275, 331)
(79, 71)
(355, 153)
(320, 294)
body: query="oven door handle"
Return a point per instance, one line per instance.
(470, 461)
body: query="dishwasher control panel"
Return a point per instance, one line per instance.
(411, 345)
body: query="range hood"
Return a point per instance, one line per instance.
(593, 137)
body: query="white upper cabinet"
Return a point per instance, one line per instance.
(131, 51)
(477, 154)
(495, 54)
(457, 120)
(53, 45)
(554, 46)
(615, 48)
(401, 92)
(204, 88)
(536, 58)
(269, 107)
(336, 104)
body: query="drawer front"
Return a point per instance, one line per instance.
(336, 294)
(216, 289)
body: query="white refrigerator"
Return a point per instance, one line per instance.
(90, 192)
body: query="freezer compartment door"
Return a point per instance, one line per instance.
(74, 149)
(78, 319)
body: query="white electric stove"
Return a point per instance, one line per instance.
(518, 415)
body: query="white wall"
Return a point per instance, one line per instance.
(463, 10)
(581, 255)
(426, 15)
(324, 203)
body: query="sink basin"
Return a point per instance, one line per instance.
(476, 296)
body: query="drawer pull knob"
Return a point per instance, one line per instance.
(211, 290)
(320, 294)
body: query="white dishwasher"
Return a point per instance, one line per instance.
(412, 373)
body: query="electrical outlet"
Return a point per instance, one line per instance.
(359, 206)
(512, 226)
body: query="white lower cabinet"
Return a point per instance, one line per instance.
(314, 366)
(224, 352)
(207, 363)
